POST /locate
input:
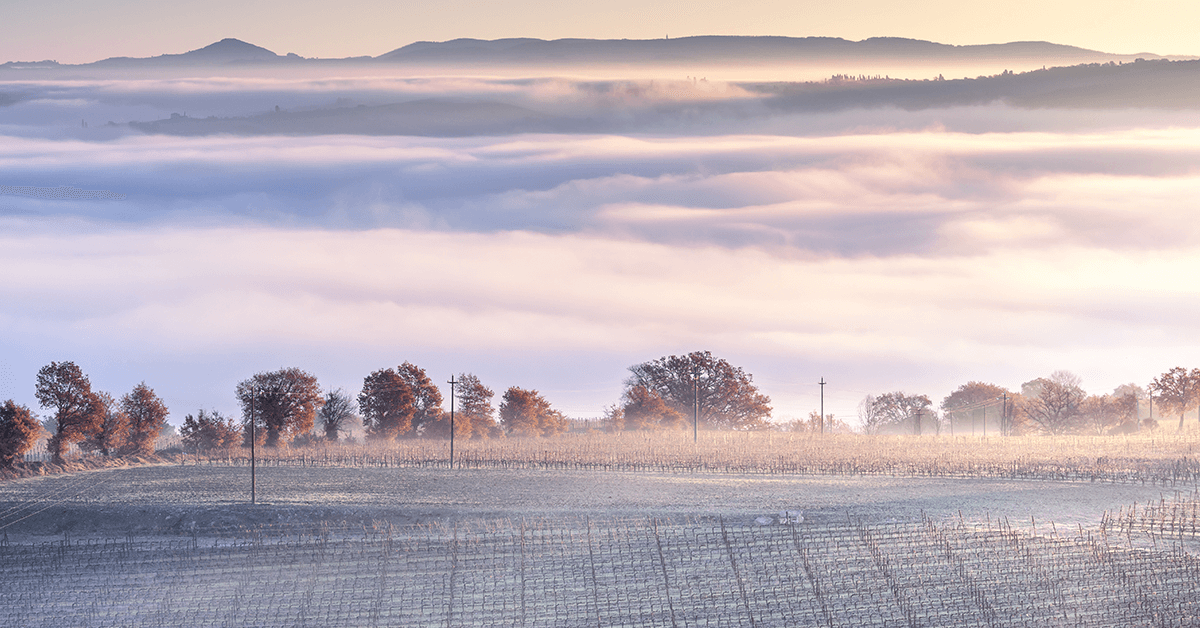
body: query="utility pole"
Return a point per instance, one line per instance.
(1150, 397)
(822, 383)
(452, 383)
(1004, 426)
(253, 437)
(695, 405)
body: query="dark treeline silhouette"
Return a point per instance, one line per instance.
(1159, 83)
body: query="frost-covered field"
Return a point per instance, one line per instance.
(604, 573)
(384, 542)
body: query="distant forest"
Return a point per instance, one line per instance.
(1152, 84)
(1143, 83)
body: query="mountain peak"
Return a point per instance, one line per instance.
(231, 49)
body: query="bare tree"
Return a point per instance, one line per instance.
(1053, 404)
(337, 414)
(147, 416)
(894, 412)
(869, 415)
(726, 395)
(1177, 390)
(1100, 414)
(78, 411)
(280, 402)
(526, 413)
(19, 431)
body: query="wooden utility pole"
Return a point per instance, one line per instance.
(822, 383)
(695, 405)
(253, 437)
(1005, 428)
(452, 383)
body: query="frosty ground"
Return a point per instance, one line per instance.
(174, 498)
(180, 544)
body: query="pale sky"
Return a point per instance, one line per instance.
(78, 31)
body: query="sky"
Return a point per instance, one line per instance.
(77, 31)
(878, 248)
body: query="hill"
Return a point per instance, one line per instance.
(731, 49)
(709, 50)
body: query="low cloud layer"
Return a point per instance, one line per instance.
(929, 194)
(915, 255)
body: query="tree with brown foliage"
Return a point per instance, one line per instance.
(399, 402)
(113, 431)
(1177, 391)
(78, 411)
(427, 399)
(207, 431)
(280, 402)
(474, 416)
(1053, 404)
(614, 418)
(727, 395)
(644, 409)
(147, 416)
(526, 413)
(386, 403)
(18, 433)
(475, 403)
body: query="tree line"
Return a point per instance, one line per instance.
(695, 390)
(289, 406)
(94, 420)
(1056, 404)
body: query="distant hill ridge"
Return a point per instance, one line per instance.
(713, 47)
(227, 50)
(707, 48)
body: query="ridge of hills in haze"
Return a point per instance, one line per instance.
(715, 48)
(1150, 85)
(706, 49)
